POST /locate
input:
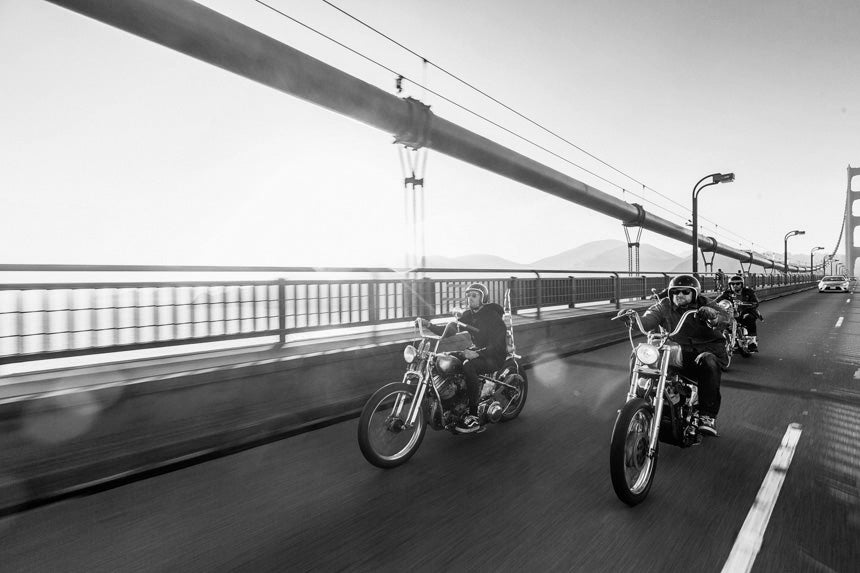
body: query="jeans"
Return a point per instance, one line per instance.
(748, 319)
(471, 369)
(708, 375)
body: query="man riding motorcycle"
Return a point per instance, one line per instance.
(748, 314)
(488, 334)
(702, 344)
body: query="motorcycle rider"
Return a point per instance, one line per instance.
(747, 315)
(702, 345)
(488, 335)
(721, 280)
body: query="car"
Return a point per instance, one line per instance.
(834, 284)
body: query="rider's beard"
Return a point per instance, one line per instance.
(687, 302)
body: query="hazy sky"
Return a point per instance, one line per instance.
(119, 151)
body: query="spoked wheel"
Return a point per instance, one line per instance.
(512, 400)
(631, 468)
(383, 436)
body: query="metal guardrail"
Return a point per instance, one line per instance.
(41, 320)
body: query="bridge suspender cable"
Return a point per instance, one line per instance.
(202, 33)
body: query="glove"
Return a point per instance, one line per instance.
(707, 314)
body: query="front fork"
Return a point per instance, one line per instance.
(658, 407)
(415, 406)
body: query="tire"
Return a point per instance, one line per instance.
(742, 346)
(514, 404)
(382, 438)
(631, 469)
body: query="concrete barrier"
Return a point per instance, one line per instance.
(91, 427)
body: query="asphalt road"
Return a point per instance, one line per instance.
(533, 494)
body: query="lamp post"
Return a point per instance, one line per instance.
(715, 178)
(811, 267)
(787, 235)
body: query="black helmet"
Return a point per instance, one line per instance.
(479, 288)
(737, 279)
(685, 282)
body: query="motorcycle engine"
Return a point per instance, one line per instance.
(446, 387)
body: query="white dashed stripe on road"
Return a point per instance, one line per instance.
(749, 539)
(839, 322)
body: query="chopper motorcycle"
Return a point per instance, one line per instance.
(737, 337)
(661, 406)
(432, 393)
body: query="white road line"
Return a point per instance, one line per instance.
(749, 539)
(839, 322)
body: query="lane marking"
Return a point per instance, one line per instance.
(839, 322)
(748, 542)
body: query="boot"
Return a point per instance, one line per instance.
(753, 345)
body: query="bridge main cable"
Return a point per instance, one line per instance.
(207, 35)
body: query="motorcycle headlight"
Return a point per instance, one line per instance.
(409, 354)
(647, 354)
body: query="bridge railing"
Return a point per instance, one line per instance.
(56, 319)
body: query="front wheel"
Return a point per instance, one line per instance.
(383, 436)
(631, 468)
(730, 348)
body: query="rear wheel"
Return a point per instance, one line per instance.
(630, 467)
(512, 400)
(383, 436)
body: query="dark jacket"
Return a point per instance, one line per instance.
(695, 332)
(490, 335)
(491, 331)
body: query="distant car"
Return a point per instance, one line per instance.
(834, 283)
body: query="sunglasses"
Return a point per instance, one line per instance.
(684, 292)
(738, 285)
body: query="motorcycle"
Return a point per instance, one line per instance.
(432, 392)
(737, 337)
(662, 406)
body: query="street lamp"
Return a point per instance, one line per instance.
(715, 178)
(787, 235)
(811, 267)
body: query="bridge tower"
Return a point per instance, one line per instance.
(852, 222)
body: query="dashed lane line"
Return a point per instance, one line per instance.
(748, 542)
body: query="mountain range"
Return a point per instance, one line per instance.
(603, 255)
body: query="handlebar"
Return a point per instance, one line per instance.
(431, 334)
(631, 312)
(421, 330)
